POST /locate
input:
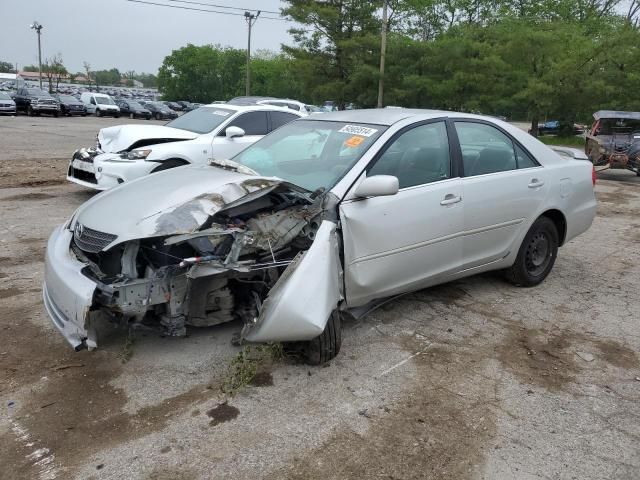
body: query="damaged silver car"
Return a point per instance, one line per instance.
(325, 215)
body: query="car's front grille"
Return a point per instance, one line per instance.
(89, 240)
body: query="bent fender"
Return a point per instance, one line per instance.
(299, 304)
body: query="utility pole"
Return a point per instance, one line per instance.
(383, 52)
(38, 28)
(251, 20)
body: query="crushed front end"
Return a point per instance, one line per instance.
(222, 270)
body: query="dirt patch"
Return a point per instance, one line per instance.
(32, 254)
(222, 413)
(171, 474)
(441, 430)
(72, 412)
(615, 354)
(618, 197)
(539, 358)
(29, 196)
(262, 379)
(37, 172)
(9, 292)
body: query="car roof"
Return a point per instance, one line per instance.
(611, 114)
(382, 116)
(250, 107)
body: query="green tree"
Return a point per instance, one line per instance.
(6, 67)
(202, 73)
(337, 49)
(30, 68)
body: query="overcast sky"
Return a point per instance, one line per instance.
(125, 35)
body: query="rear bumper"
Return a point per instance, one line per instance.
(67, 293)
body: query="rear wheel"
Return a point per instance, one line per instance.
(30, 111)
(131, 115)
(158, 116)
(98, 112)
(325, 346)
(536, 256)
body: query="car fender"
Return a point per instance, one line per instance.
(196, 151)
(300, 303)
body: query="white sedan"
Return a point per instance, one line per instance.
(328, 214)
(127, 152)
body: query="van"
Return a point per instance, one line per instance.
(100, 104)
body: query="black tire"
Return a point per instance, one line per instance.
(117, 115)
(56, 114)
(325, 346)
(30, 111)
(167, 164)
(98, 112)
(158, 116)
(536, 256)
(132, 116)
(84, 114)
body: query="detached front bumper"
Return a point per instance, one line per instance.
(67, 293)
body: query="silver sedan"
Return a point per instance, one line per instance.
(326, 215)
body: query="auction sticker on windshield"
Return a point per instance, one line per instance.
(358, 130)
(353, 142)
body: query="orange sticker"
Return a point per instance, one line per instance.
(354, 141)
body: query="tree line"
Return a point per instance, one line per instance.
(524, 59)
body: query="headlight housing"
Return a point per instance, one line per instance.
(137, 154)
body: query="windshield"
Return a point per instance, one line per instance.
(134, 105)
(68, 99)
(611, 126)
(202, 120)
(104, 101)
(312, 154)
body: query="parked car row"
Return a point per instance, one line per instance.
(285, 222)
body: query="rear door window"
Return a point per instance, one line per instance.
(485, 149)
(253, 123)
(280, 118)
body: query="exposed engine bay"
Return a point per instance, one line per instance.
(222, 270)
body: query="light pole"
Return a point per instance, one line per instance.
(38, 28)
(383, 52)
(251, 20)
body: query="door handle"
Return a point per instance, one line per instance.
(535, 183)
(450, 199)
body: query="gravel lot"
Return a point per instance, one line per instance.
(471, 380)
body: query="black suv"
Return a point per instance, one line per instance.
(70, 105)
(35, 101)
(133, 109)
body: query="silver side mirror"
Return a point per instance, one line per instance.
(232, 132)
(377, 186)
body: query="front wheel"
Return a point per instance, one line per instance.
(168, 164)
(131, 115)
(325, 346)
(158, 116)
(536, 256)
(98, 113)
(56, 114)
(30, 111)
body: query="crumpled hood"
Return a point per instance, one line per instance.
(119, 138)
(172, 202)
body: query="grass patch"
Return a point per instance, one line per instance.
(127, 349)
(244, 367)
(574, 141)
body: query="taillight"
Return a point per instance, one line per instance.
(593, 175)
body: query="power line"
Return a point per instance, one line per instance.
(222, 6)
(201, 10)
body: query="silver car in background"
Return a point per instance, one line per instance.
(326, 215)
(7, 105)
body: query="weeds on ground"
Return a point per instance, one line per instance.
(127, 349)
(244, 367)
